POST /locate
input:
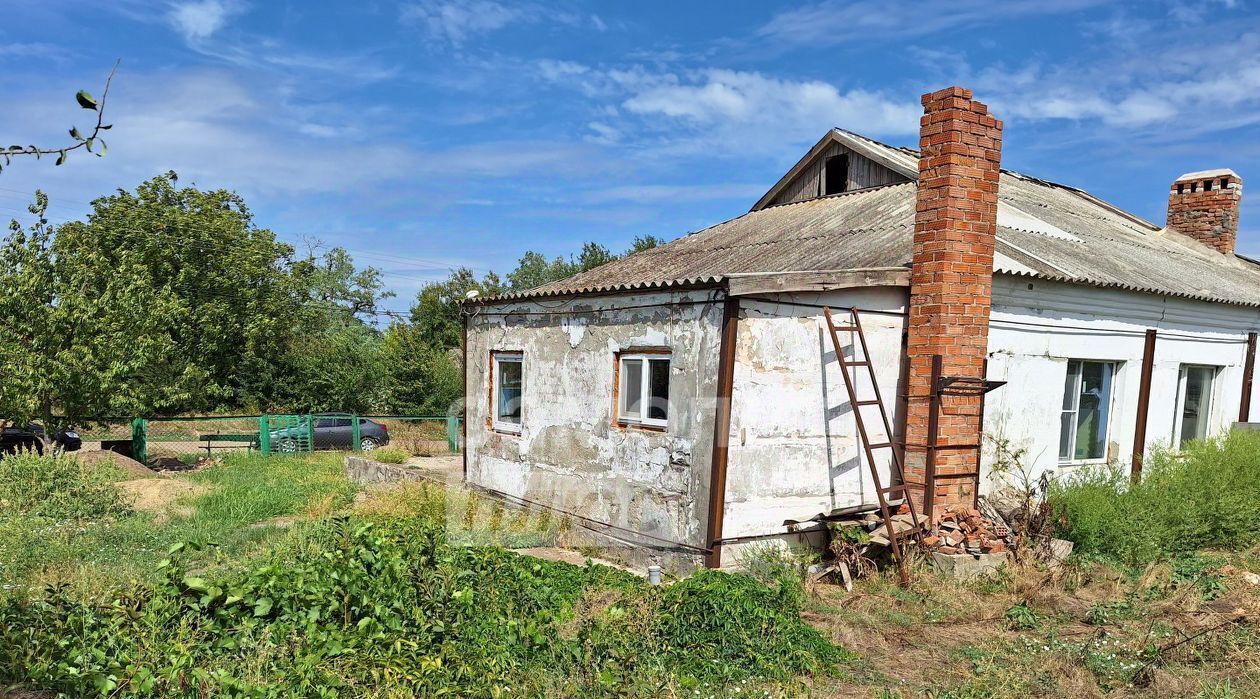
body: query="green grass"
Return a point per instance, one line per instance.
(385, 603)
(389, 455)
(1207, 496)
(81, 545)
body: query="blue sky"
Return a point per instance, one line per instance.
(425, 134)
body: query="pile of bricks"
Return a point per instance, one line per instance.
(964, 529)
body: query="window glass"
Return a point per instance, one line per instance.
(644, 390)
(632, 388)
(323, 422)
(1195, 399)
(1086, 410)
(1092, 404)
(508, 388)
(658, 389)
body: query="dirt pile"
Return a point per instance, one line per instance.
(131, 467)
(159, 495)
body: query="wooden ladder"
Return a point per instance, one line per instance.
(855, 325)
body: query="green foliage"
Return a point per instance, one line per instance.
(419, 378)
(1202, 497)
(235, 501)
(391, 609)
(1021, 617)
(334, 365)
(170, 300)
(58, 488)
(389, 455)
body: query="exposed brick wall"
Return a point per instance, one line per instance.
(1204, 206)
(951, 279)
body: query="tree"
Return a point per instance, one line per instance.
(644, 242)
(592, 256)
(333, 367)
(422, 379)
(93, 142)
(331, 281)
(533, 270)
(70, 340)
(437, 310)
(224, 285)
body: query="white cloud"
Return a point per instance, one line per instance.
(455, 22)
(200, 19)
(749, 103)
(656, 193)
(672, 113)
(1138, 87)
(835, 22)
(218, 130)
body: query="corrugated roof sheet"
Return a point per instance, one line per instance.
(1045, 230)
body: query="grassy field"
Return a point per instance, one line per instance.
(276, 577)
(236, 505)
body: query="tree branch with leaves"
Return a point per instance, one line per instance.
(92, 142)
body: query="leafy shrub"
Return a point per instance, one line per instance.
(59, 487)
(393, 609)
(731, 626)
(1204, 496)
(389, 455)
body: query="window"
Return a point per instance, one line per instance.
(837, 174)
(509, 374)
(1194, 402)
(644, 389)
(1086, 411)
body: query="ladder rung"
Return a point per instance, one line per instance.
(880, 445)
(893, 489)
(844, 327)
(864, 362)
(867, 402)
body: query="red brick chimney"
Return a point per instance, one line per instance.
(951, 279)
(1204, 205)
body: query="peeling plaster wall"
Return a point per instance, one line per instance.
(793, 448)
(570, 453)
(1037, 326)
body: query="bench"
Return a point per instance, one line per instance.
(210, 439)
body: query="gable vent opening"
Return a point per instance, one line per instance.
(836, 170)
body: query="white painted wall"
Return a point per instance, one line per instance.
(570, 453)
(1037, 326)
(793, 451)
(793, 448)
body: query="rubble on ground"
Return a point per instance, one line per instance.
(959, 530)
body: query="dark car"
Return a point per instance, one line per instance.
(332, 431)
(31, 438)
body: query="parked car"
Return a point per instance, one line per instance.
(31, 438)
(332, 431)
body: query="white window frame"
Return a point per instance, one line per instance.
(1109, 410)
(1183, 376)
(645, 382)
(496, 375)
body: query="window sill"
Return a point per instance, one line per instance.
(1082, 462)
(513, 430)
(644, 426)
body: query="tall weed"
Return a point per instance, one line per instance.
(393, 609)
(59, 488)
(1205, 496)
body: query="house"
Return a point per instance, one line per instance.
(688, 398)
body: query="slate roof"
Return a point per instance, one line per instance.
(1045, 230)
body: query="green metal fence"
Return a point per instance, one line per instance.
(187, 439)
